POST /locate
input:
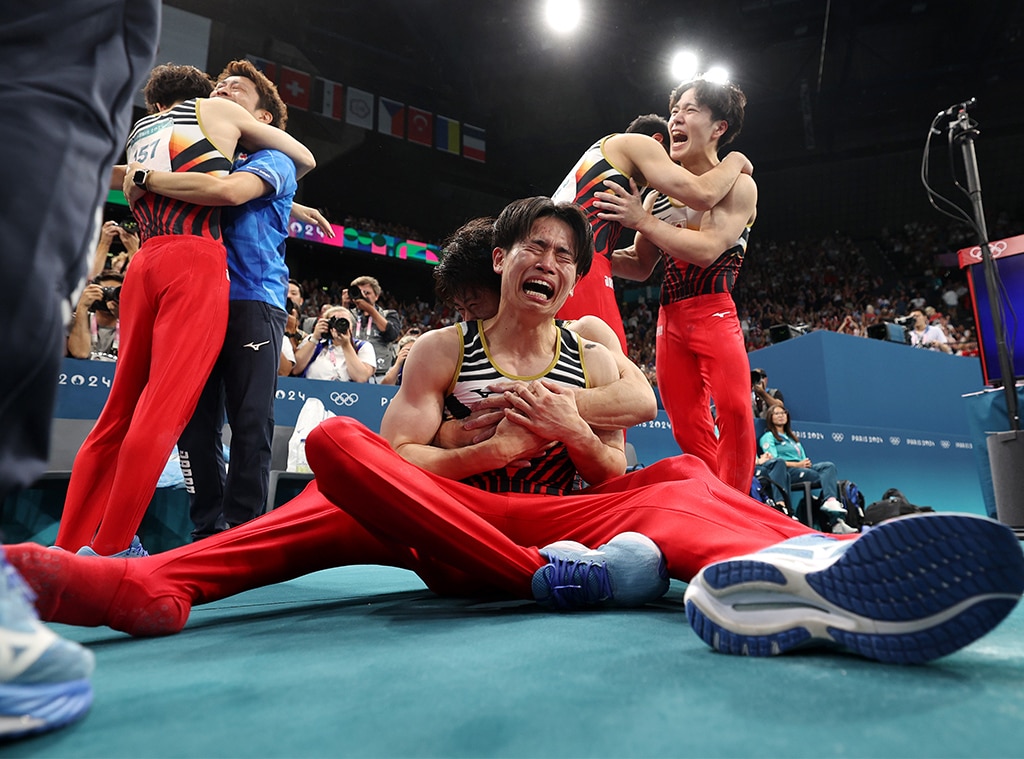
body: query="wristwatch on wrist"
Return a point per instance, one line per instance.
(139, 177)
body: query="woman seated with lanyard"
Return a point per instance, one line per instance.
(782, 443)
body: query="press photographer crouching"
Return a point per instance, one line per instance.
(330, 352)
(95, 329)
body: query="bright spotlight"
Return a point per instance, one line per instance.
(684, 66)
(717, 75)
(563, 15)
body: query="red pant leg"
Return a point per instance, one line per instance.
(701, 357)
(694, 517)
(182, 282)
(96, 462)
(397, 501)
(684, 393)
(154, 595)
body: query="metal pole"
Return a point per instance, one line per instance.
(965, 134)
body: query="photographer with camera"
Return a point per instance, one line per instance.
(331, 352)
(394, 374)
(118, 242)
(925, 335)
(379, 327)
(95, 329)
(762, 397)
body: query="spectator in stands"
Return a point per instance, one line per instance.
(126, 233)
(287, 360)
(95, 331)
(925, 335)
(379, 327)
(331, 352)
(763, 397)
(394, 374)
(781, 442)
(774, 473)
(293, 326)
(850, 326)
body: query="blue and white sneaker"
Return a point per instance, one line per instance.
(133, 551)
(908, 591)
(628, 570)
(44, 679)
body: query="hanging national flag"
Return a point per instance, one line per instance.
(359, 108)
(269, 68)
(391, 117)
(446, 134)
(420, 126)
(474, 143)
(332, 102)
(295, 87)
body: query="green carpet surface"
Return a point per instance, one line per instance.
(364, 662)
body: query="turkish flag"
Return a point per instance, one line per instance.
(419, 125)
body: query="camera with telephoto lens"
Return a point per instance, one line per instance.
(354, 294)
(339, 324)
(109, 293)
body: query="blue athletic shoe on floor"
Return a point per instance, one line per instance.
(908, 591)
(134, 551)
(628, 570)
(44, 679)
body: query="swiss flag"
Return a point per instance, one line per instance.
(294, 87)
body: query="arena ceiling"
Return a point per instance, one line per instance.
(825, 80)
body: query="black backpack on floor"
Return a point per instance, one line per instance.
(893, 504)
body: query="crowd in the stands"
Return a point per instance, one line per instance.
(833, 282)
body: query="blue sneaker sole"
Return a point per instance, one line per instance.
(908, 591)
(29, 709)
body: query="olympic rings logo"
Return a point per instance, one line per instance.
(996, 248)
(345, 399)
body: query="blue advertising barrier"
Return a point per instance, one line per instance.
(934, 464)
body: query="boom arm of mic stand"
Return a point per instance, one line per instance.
(965, 136)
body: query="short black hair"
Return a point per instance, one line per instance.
(107, 275)
(513, 225)
(650, 124)
(466, 261)
(170, 83)
(726, 102)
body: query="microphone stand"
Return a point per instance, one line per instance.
(964, 132)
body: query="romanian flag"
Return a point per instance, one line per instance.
(446, 135)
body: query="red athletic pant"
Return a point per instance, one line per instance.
(700, 356)
(460, 540)
(692, 516)
(173, 314)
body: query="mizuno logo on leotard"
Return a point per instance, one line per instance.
(720, 314)
(256, 346)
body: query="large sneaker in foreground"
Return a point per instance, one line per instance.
(44, 679)
(907, 591)
(628, 570)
